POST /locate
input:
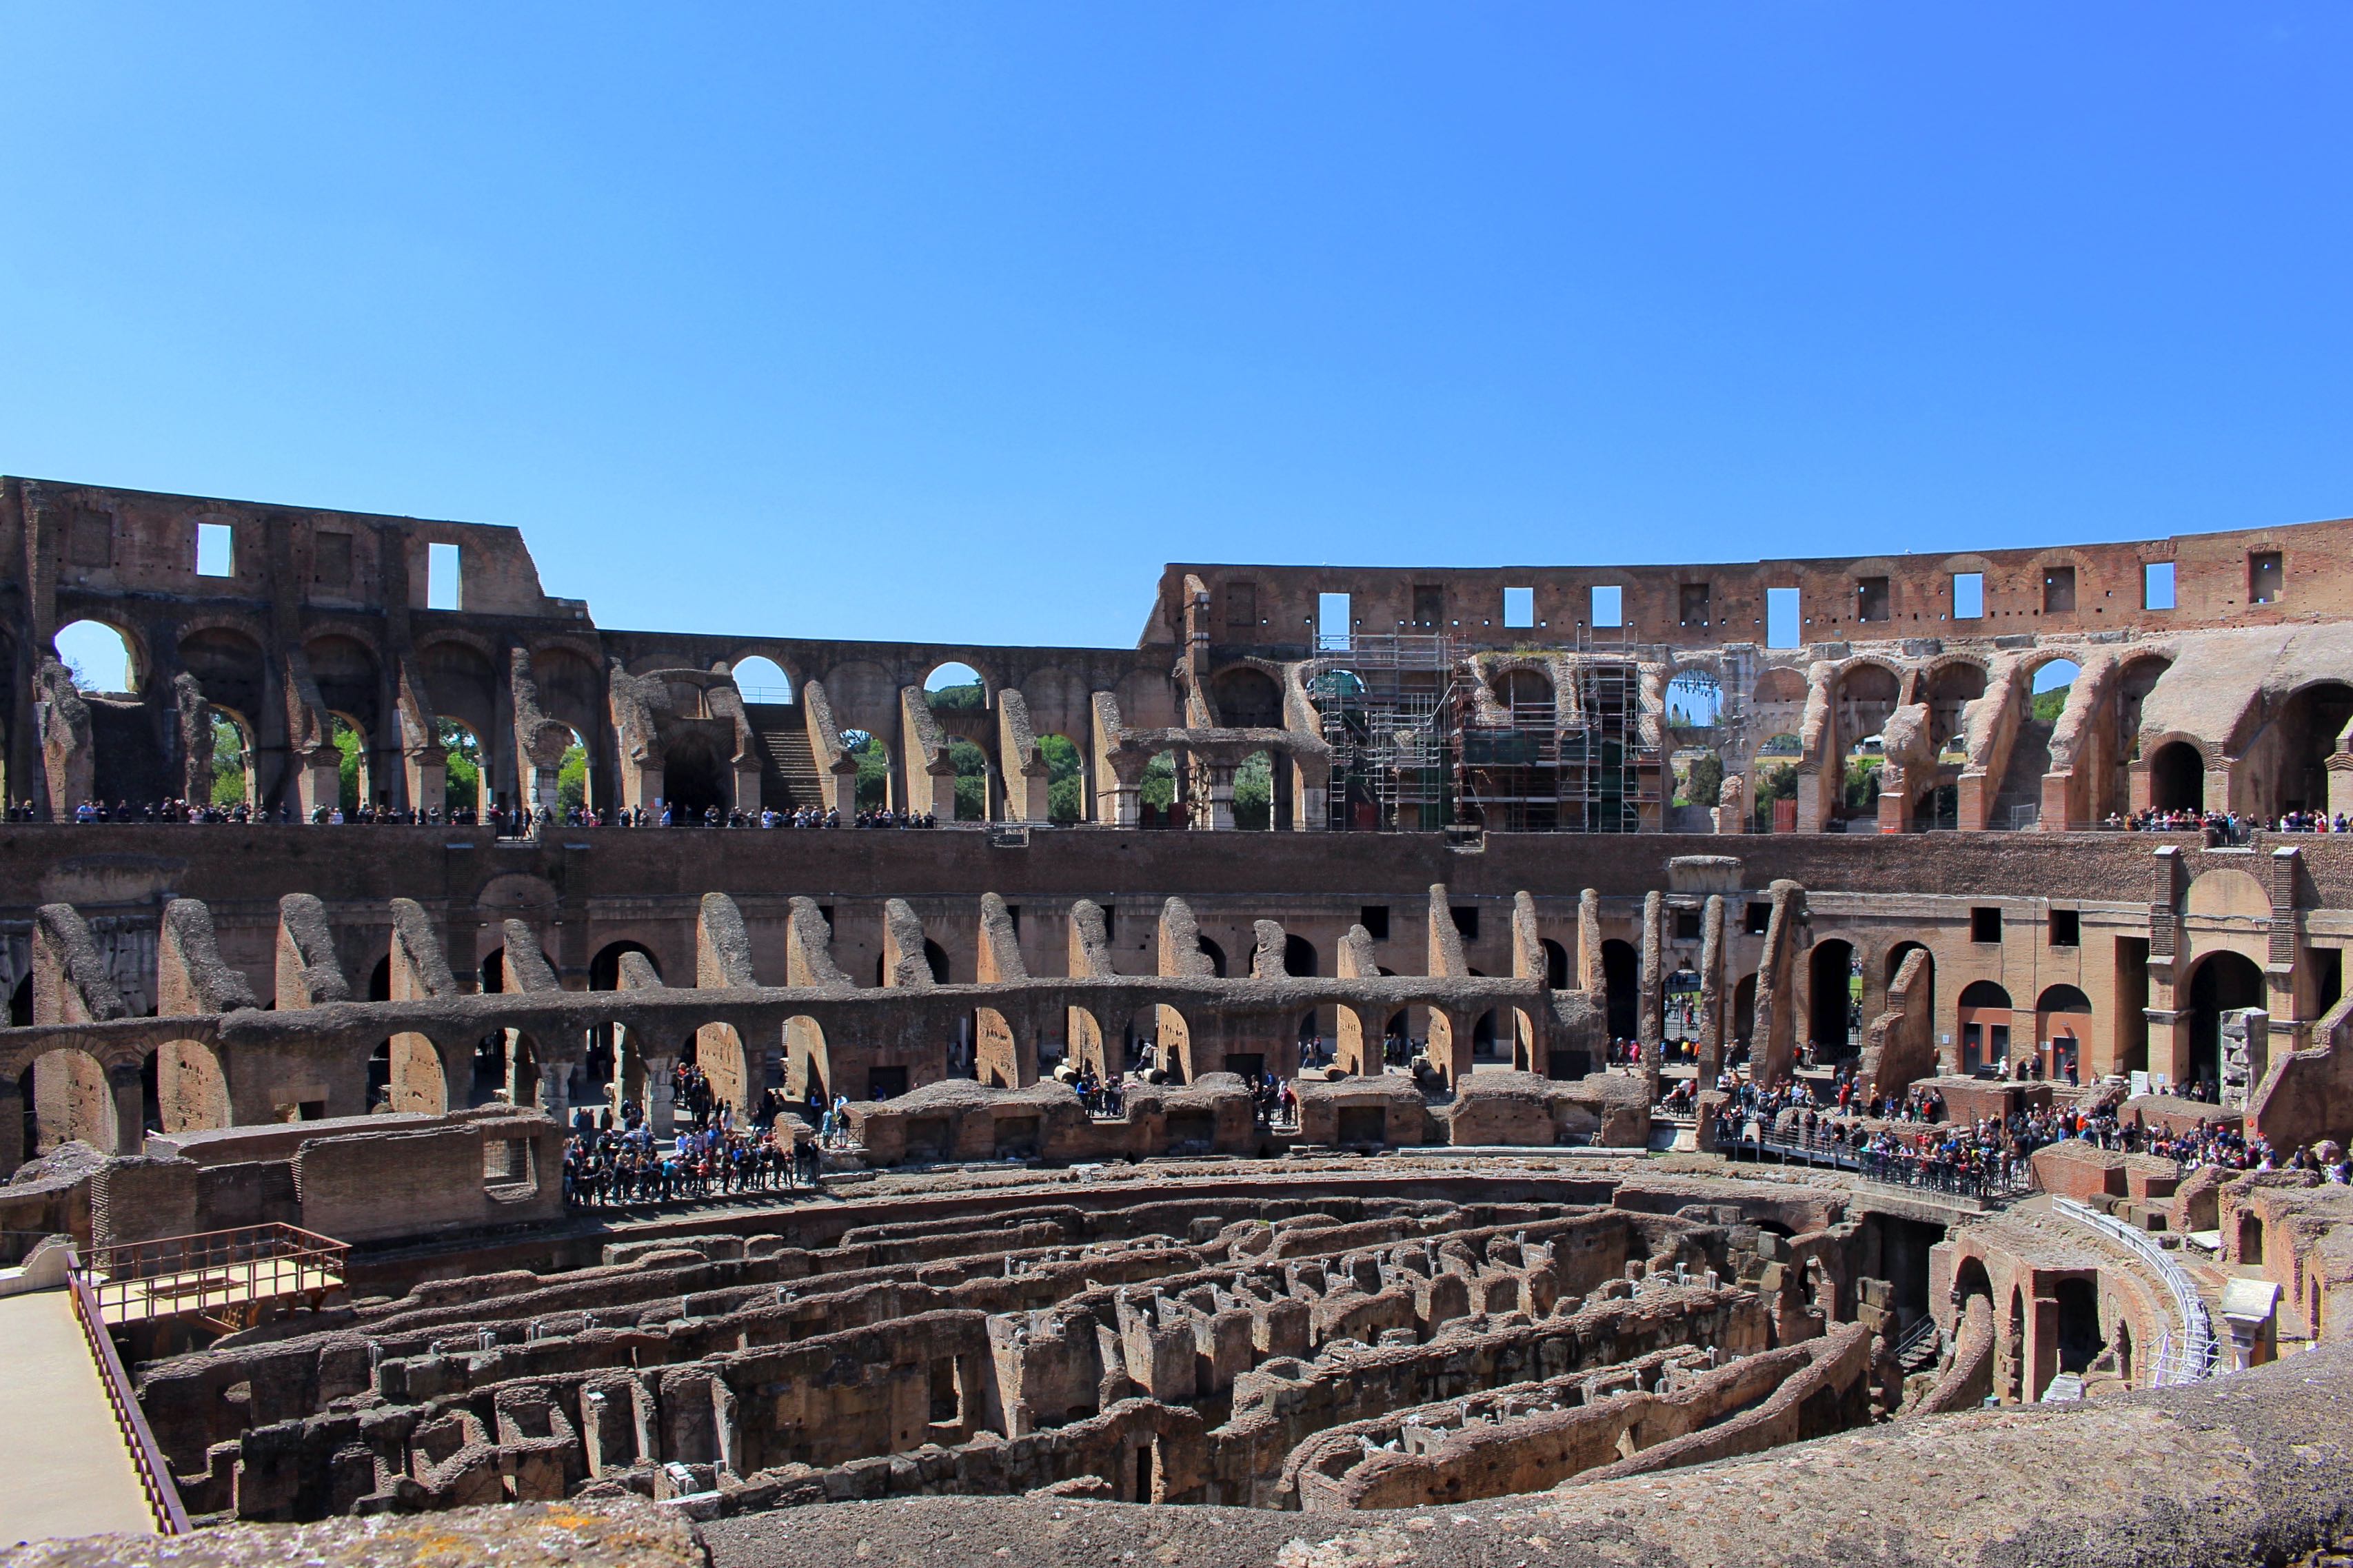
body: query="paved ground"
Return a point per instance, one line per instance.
(64, 1471)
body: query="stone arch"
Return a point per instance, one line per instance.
(952, 674)
(2310, 727)
(2177, 777)
(809, 1065)
(1245, 697)
(1299, 957)
(230, 667)
(2063, 1028)
(1926, 1001)
(1986, 1018)
(761, 679)
(69, 1095)
(2137, 675)
(2216, 983)
(726, 1066)
(1556, 959)
(2226, 893)
(1621, 978)
(1527, 692)
(1829, 975)
(83, 643)
(1864, 696)
(695, 777)
(1948, 687)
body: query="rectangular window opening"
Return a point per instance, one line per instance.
(2059, 591)
(1985, 925)
(1969, 595)
(2264, 577)
(2156, 585)
(1871, 599)
(1375, 919)
(1332, 620)
(443, 590)
(1759, 921)
(2066, 928)
(1692, 606)
(1519, 607)
(1782, 623)
(1466, 920)
(1609, 606)
(1429, 607)
(215, 550)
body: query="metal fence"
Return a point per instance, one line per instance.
(2193, 1355)
(1919, 1174)
(220, 1272)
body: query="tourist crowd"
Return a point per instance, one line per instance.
(606, 1168)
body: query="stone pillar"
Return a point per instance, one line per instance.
(12, 1126)
(125, 1083)
(555, 1095)
(2040, 1346)
(1650, 1024)
(1712, 999)
(1221, 796)
(660, 1114)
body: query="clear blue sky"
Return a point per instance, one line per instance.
(958, 321)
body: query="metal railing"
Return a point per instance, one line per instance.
(2194, 1357)
(1918, 1334)
(1897, 1170)
(221, 1270)
(155, 1481)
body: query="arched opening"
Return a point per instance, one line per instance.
(573, 792)
(1254, 792)
(1622, 979)
(610, 1069)
(2311, 724)
(1556, 961)
(996, 1054)
(1834, 984)
(955, 685)
(2177, 777)
(463, 795)
(2017, 803)
(1985, 1020)
(727, 1069)
(1950, 691)
(2080, 1343)
(1926, 1001)
(761, 679)
(99, 657)
(353, 774)
(694, 777)
(190, 1090)
(1483, 1036)
(808, 1073)
(1247, 698)
(1299, 956)
(873, 769)
(2251, 1237)
(1066, 783)
(1156, 793)
(971, 780)
(1744, 1010)
(69, 1098)
(2135, 682)
(1216, 956)
(232, 781)
(1695, 700)
(415, 1079)
(2062, 1027)
(2222, 983)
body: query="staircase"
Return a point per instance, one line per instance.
(2018, 803)
(1919, 1349)
(789, 776)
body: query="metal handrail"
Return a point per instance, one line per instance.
(1915, 1336)
(228, 1265)
(2190, 1363)
(147, 1460)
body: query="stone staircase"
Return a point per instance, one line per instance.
(789, 776)
(2022, 781)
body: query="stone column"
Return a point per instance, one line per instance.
(1712, 999)
(555, 1095)
(12, 1126)
(660, 1114)
(127, 1086)
(1650, 1027)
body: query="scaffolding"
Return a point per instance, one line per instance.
(1387, 704)
(1609, 759)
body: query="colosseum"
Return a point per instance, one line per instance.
(1788, 1062)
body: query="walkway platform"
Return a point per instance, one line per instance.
(65, 1466)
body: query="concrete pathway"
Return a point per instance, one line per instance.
(65, 1469)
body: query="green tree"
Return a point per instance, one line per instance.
(1065, 780)
(1769, 786)
(2047, 704)
(873, 770)
(972, 779)
(1703, 783)
(1159, 784)
(972, 694)
(463, 769)
(229, 762)
(353, 747)
(1254, 792)
(1861, 785)
(572, 778)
